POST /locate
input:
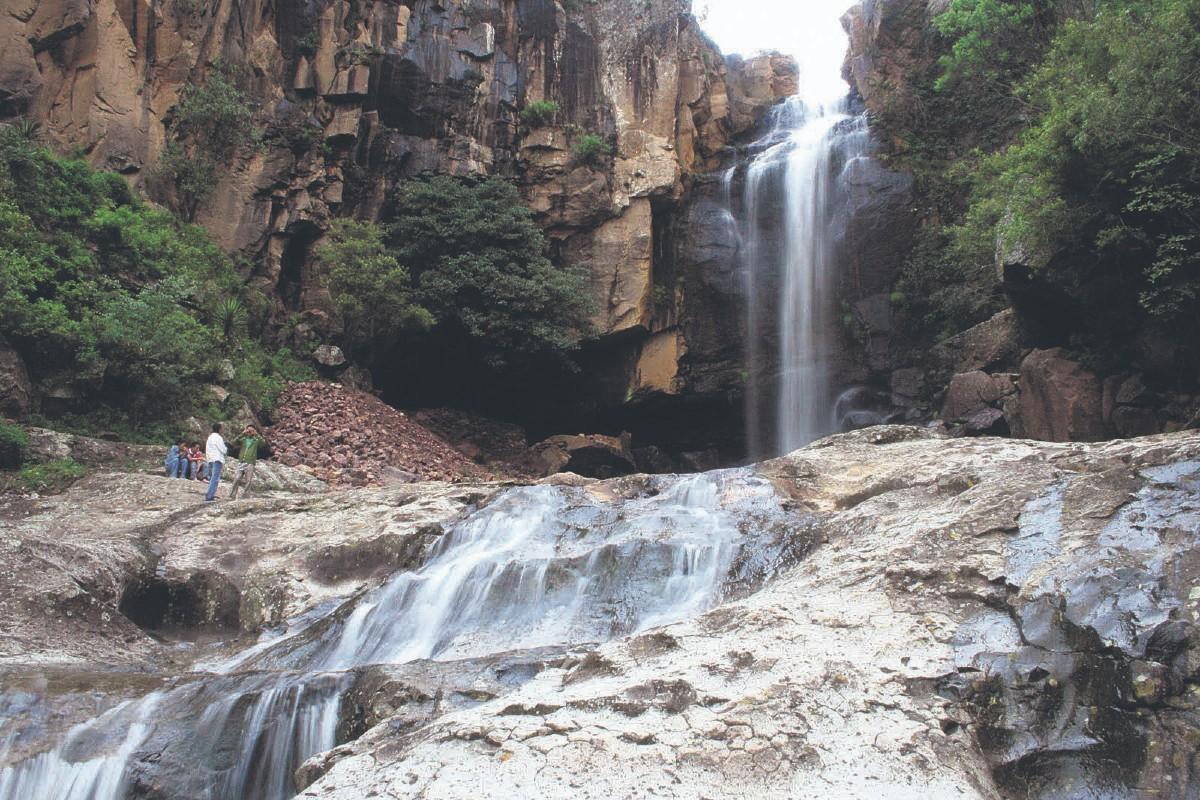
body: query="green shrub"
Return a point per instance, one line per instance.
(230, 319)
(591, 150)
(52, 476)
(309, 42)
(261, 375)
(480, 265)
(372, 291)
(209, 126)
(134, 304)
(13, 441)
(539, 113)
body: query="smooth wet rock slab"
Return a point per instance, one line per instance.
(901, 616)
(978, 623)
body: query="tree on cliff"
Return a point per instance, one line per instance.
(208, 127)
(1104, 184)
(371, 290)
(480, 266)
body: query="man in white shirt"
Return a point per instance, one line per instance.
(214, 453)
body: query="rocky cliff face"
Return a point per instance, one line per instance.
(355, 96)
(1011, 374)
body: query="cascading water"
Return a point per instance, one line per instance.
(791, 189)
(538, 566)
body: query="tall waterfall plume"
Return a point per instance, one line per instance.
(791, 188)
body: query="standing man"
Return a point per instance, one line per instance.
(214, 452)
(248, 455)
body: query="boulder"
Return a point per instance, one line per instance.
(972, 392)
(329, 355)
(1132, 392)
(1130, 421)
(589, 455)
(907, 386)
(356, 377)
(1061, 401)
(986, 421)
(990, 345)
(16, 390)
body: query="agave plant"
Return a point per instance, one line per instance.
(230, 316)
(26, 128)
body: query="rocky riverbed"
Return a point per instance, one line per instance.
(890, 614)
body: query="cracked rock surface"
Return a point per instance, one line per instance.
(901, 616)
(983, 618)
(129, 569)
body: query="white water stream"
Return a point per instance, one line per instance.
(538, 566)
(790, 191)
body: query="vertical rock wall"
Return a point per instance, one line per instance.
(355, 96)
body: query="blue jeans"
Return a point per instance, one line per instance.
(214, 479)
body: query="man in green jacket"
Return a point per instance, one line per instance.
(249, 441)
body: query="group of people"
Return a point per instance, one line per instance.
(186, 461)
(190, 462)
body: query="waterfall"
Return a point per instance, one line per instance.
(790, 192)
(538, 566)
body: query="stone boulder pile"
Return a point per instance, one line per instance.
(349, 437)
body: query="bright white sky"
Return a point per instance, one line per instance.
(811, 30)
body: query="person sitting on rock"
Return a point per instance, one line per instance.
(249, 442)
(185, 453)
(172, 460)
(196, 458)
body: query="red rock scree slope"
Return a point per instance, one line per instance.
(345, 436)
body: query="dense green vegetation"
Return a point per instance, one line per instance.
(1097, 186)
(127, 309)
(992, 43)
(371, 290)
(480, 268)
(454, 291)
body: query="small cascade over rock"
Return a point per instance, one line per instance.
(538, 566)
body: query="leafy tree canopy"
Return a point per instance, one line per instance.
(371, 290)
(480, 265)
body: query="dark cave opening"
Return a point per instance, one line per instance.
(182, 609)
(293, 261)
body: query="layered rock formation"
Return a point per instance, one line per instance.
(354, 97)
(122, 564)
